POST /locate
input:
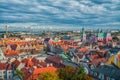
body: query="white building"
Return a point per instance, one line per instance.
(6, 72)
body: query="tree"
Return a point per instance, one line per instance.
(81, 70)
(49, 76)
(70, 73)
(86, 77)
(67, 73)
(81, 75)
(19, 73)
(115, 38)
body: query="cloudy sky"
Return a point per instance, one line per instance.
(71, 12)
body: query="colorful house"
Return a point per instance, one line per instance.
(115, 60)
(6, 71)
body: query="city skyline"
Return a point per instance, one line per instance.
(60, 12)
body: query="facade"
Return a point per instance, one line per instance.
(1, 54)
(83, 35)
(104, 37)
(6, 72)
(115, 60)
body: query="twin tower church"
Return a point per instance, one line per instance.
(100, 36)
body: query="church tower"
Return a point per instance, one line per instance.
(108, 37)
(83, 35)
(6, 34)
(100, 35)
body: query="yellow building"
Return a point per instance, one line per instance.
(114, 59)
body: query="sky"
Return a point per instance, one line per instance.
(61, 12)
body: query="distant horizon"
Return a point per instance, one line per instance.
(50, 27)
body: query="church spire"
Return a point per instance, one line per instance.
(83, 35)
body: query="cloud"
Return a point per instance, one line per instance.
(73, 12)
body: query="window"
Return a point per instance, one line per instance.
(5, 77)
(0, 72)
(4, 72)
(108, 78)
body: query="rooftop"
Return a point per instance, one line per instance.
(109, 71)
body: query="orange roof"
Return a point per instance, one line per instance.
(3, 66)
(83, 49)
(18, 43)
(80, 55)
(100, 43)
(75, 47)
(1, 43)
(41, 70)
(29, 64)
(66, 47)
(11, 52)
(118, 56)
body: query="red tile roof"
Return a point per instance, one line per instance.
(96, 59)
(11, 52)
(41, 70)
(34, 62)
(3, 66)
(75, 47)
(80, 55)
(100, 43)
(55, 59)
(27, 72)
(83, 50)
(9, 67)
(1, 43)
(16, 63)
(33, 73)
(118, 56)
